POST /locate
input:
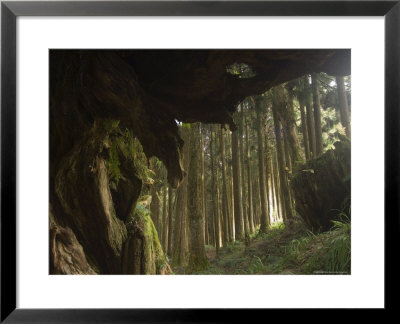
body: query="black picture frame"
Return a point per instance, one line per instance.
(11, 10)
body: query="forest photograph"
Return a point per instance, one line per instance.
(200, 162)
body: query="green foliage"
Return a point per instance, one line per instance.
(338, 256)
(123, 146)
(256, 265)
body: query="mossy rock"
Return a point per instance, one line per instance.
(322, 187)
(142, 252)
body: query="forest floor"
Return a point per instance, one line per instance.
(292, 250)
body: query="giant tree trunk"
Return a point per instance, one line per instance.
(197, 259)
(317, 114)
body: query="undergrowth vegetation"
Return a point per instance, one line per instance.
(293, 250)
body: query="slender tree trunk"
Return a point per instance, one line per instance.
(237, 189)
(317, 114)
(243, 169)
(288, 121)
(179, 247)
(215, 196)
(203, 192)
(288, 159)
(198, 258)
(261, 168)
(304, 130)
(310, 117)
(273, 189)
(170, 219)
(231, 199)
(225, 199)
(165, 217)
(249, 179)
(278, 191)
(267, 174)
(343, 106)
(155, 207)
(282, 172)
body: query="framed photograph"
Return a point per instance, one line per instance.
(91, 189)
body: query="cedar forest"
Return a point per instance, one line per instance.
(257, 184)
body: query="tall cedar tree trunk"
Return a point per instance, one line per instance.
(198, 258)
(239, 227)
(229, 174)
(267, 173)
(273, 189)
(225, 200)
(243, 172)
(203, 191)
(215, 195)
(288, 162)
(170, 220)
(281, 207)
(304, 129)
(249, 186)
(309, 116)
(165, 216)
(317, 114)
(155, 201)
(288, 121)
(179, 247)
(285, 197)
(343, 106)
(261, 169)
